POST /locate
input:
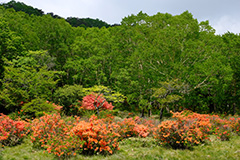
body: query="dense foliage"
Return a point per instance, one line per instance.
(148, 63)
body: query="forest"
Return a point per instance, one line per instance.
(146, 64)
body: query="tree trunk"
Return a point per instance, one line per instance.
(98, 112)
(142, 114)
(161, 114)
(234, 108)
(149, 113)
(234, 97)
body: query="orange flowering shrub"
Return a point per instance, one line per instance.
(235, 125)
(223, 132)
(224, 127)
(221, 128)
(141, 130)
(130, 127)
(99, 135)
(210, 124)
(12, 132)
(127, 128)
(185, 131)
(202, 121)
(180, 134)
(53, 134)
(149, 126)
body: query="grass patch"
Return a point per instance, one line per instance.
(25, 151)
(138, 148)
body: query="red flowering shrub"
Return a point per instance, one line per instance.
(53, 134)
(99, 135)
(12, 132)
(94, 101)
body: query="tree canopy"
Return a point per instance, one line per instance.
(149, 62)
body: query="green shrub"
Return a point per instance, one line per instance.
(36, 108)
(67, 96)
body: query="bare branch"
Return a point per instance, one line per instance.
(199, 85)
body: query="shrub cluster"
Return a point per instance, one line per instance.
(65, 137)
(191, 128)
(52, 133)
(97, 135)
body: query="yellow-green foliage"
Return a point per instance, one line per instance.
(168, 92)
(109, 94)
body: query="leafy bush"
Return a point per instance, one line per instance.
(12, 132)
(67, 96)
(37, 107)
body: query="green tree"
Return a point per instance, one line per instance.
(232, 52)
(10, 45)
(25, 80)
(169, 93)
(90, 63)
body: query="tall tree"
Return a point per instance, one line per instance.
(10, 45)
